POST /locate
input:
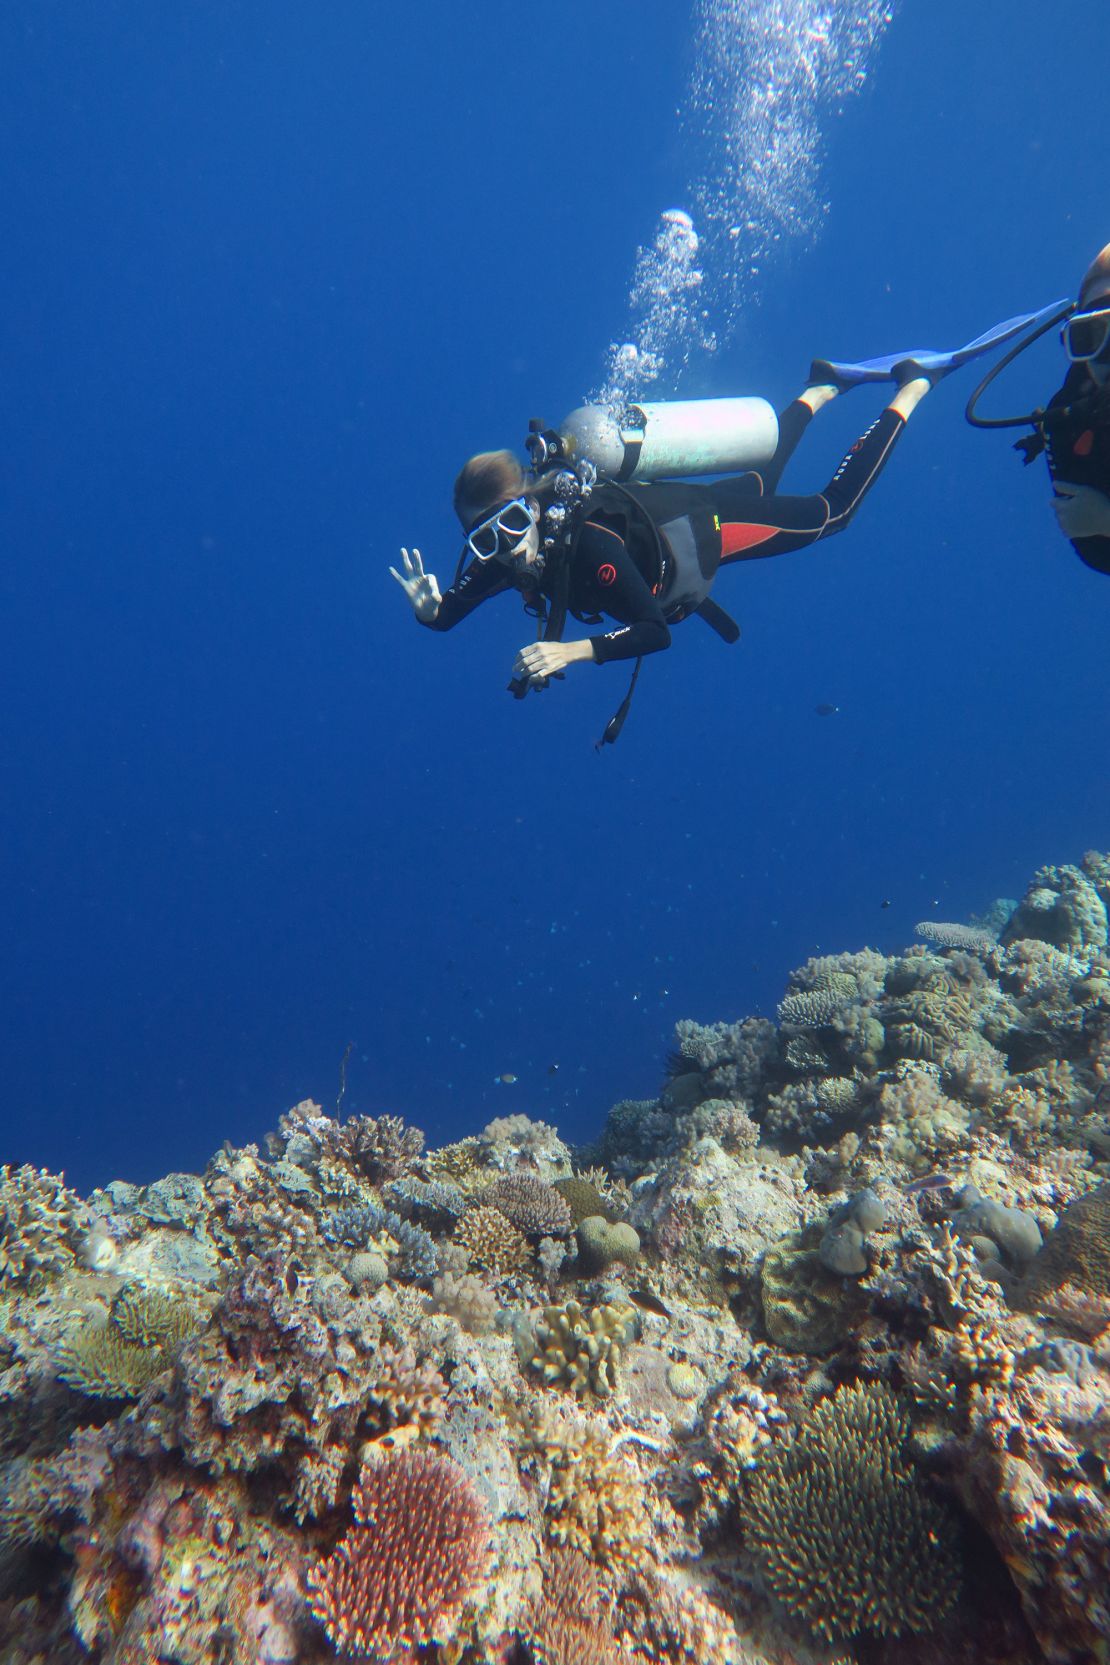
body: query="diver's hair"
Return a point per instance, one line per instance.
(1096, 279)
(490, 478)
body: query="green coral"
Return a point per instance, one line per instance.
(583, 1198)
(842, 1530)
(806, 1308)
(120, 1359)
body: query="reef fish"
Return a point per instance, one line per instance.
(649, 1302)
(505, 1080)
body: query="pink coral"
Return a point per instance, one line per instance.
(419, 1548)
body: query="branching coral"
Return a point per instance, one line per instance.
(580, 1350)
(490, 1240)
(841, 1528)
(40, 1225)
(418, 1549)
(571, 1623)
(535, 1209)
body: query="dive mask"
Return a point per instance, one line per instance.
(1086, 334)
(501, 531)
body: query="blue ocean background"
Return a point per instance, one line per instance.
(268, 273)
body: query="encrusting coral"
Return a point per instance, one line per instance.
(720, 1390)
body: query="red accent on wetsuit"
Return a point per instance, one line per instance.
(1083, 445)
(736, 536)
(607, 574)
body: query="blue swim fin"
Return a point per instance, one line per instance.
(925, 361)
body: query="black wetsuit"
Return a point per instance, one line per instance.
(615, 556)
(1076, 429)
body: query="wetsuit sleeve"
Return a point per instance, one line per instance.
(607, 580)
(480, 580)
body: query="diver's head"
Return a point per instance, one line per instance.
(1086, 335)
(500, 521)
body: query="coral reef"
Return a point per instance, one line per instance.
(742, 1383)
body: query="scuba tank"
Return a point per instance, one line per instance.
(672, 439)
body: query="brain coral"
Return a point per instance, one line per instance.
(1077, 1251)
(841, 1529)
(418, 1549)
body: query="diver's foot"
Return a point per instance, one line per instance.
(931, 367)
(824, 373)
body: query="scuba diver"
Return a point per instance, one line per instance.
(1074, 430)
(602, 527)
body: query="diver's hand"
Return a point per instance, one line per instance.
(420, 586)
(1082, 511)
(540, 660)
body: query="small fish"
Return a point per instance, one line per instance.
(649, 1302)
(886, 902)
(505, 1080)
(929, 1182)
(826, 710)
(552, 1069)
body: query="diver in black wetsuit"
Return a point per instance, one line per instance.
(643, 556)
(1075, 429)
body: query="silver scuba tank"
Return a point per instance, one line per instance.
(667, 441)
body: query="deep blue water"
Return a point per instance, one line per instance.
(268, 273)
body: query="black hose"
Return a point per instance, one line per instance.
(1033, 418)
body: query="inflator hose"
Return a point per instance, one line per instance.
(1034, 417)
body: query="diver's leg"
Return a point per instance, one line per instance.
(868, 456)
(760, 527)
(793, 422)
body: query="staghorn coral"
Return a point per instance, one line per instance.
(418, 1550)
(580, 1350)
(41, 1222)
(841, 1528)
(534, 1208)
(491, 1241)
